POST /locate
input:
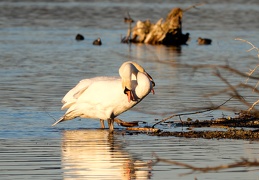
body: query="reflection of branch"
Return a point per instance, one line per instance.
(243, 162)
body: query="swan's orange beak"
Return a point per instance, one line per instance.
(153, 91)
(129, 95)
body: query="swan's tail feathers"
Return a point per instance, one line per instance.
(58, 121)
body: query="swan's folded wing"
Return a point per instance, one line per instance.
(72, 95)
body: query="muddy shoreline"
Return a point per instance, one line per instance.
(230, 133)
(245, 127)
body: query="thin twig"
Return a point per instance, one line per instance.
(44, 109)
(190, 113)
(253, 105)
(251, 72)
(253, 46)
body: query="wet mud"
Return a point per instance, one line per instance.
(228, 134)
(245, 126)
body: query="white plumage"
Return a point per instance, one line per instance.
(105, 98)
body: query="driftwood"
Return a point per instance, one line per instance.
(131, 126)
(127, 124)
(168, 32)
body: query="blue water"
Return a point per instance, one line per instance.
(41, 61)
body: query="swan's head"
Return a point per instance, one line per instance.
(128, 71)
(142, 70)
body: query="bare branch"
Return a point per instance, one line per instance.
(253, 105)
(253, 46)
(197, 112)
(251, 72)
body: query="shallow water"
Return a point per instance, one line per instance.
(41, 61)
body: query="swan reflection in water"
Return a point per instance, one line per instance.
(96, 154)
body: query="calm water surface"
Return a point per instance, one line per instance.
(40, 61)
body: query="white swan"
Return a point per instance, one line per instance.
(105, 98)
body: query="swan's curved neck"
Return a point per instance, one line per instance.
(144, 85)
(126, 71)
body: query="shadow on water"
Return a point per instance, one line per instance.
(97, 154)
